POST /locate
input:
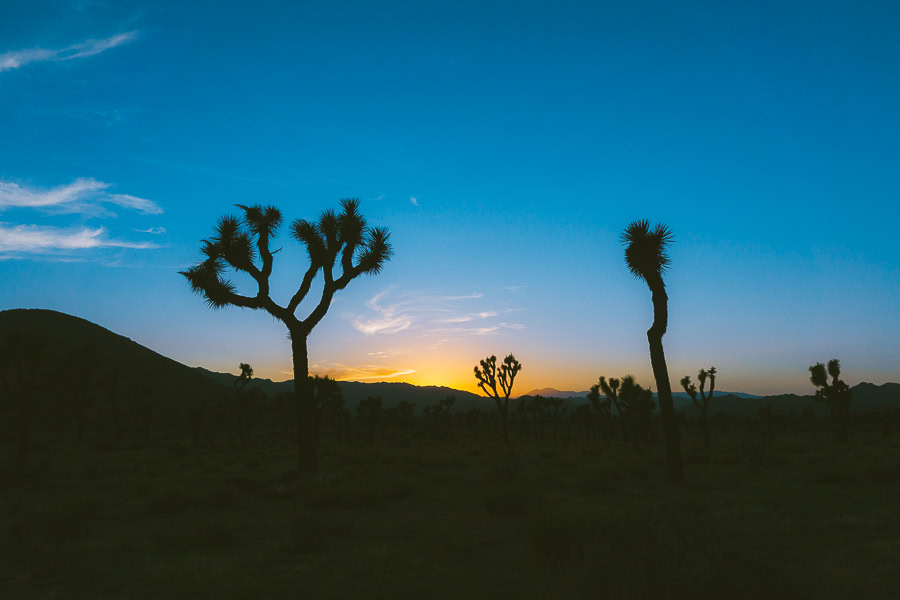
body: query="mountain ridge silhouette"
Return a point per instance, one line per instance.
(142, 366)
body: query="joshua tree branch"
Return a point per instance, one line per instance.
(304, 288)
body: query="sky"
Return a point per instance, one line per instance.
(505, 146)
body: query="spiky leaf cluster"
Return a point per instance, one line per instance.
(243, 244)
(646, 249)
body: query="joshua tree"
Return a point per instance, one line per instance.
(637, 408)
(647, 259)
(702, 403)
(241, 412)
(602, 405)
(369, 411)
(489, 376)
(243, 244)
(328, 398)
(835, 395)
(610, 389)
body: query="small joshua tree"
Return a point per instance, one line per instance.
(489, 377)
(369, 411)
(610, 389)
(647, 258)
(328, 398)
(637, 409)
(340, 240)
(835, 395)
(242, 410)
(244, 378)
(702, 403)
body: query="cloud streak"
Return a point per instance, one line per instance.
(433, 314)
(36, 238)
(85, 195)
(399, 312)
(16, 59)
(360, 373)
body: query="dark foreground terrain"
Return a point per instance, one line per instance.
(782, 516)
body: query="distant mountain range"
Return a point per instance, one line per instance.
(142, 368)
(555, 393)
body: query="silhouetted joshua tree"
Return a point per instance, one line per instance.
(241, 412)
(369, 411)
(835, 395)
(243, 244)
(702, 403)
(328, 398)
(647, 259)
(610, 389)
(602, 405)
(489, 377)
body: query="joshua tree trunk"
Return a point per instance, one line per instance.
(704, 421)
(661, 374)
(504, 419)
(306, 410)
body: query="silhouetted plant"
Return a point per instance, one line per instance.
(835, 395)
(637, 408)
(328, 399)
(647, 258)
(702, 403)
(489, 377)
(610, 390)
(241, 412)
(438, 415)
(342, 240)
(601, 405)
(369, 411)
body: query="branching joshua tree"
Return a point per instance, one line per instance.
(489, 377)
(835, 395)
(336, 241)
(702, 403)
(610, 389)
(647, 258)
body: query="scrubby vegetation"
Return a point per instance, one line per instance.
(446, 517)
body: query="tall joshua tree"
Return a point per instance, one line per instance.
(336, 240)
(835, 395)
(489, 376)
(702, 403)
(647, 258)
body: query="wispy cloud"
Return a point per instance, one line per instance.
(466, 330)
(84, 195)
(467, 318)
(399, 312)
(414, 201)
(16, 59)
(153, 230)
(359, 373)
(36, 238)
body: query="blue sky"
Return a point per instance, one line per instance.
(529, 135)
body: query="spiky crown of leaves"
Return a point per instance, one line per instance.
(646, 249)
